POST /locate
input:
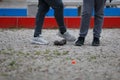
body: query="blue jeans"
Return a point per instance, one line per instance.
(43, 8)
(88, 6)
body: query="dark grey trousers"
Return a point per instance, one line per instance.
(43, 8)
(88, 7)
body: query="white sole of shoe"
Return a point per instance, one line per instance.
(34, 42)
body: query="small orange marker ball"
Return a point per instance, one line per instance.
(73, 62)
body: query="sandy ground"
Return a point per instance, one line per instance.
(21, 60)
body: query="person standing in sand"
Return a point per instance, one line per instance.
(88, 6)
(43, 8)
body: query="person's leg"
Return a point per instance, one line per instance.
(57, 5)
(43, 8)
(111, 0)
(99, 13)
(88, 6)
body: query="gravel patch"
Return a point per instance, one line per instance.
(21, 60)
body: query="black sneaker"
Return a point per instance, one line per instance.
(96, 41)
(80, 41)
